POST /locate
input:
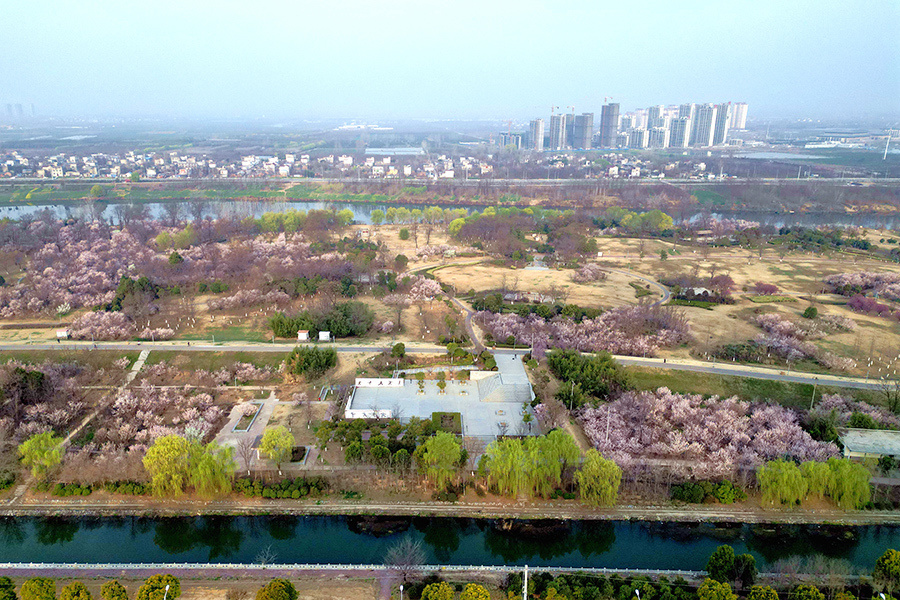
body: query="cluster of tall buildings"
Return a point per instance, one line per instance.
(16, 111)
(678, 126)
(681, 126)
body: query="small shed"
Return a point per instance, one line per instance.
(870, 443)
(324, 336)
(303, 335)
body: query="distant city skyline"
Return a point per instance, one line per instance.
(466, 61)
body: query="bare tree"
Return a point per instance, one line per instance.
(405, 556)
(890, 392)
(245, 452)
(502, 428)
(266, 556)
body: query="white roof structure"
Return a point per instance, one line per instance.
(870, 443)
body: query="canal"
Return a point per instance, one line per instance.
(354, 540)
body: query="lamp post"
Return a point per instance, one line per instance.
(167, 592)
(401, 591)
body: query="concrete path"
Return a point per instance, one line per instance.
(228, 437)
(733, 369)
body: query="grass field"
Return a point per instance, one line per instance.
(794, 395)
(233, 333)
(97, 359)
(212, 361)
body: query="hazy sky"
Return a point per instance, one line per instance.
(449, 59)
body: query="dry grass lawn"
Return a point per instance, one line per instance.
(615, 291)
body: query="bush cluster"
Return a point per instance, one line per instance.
(697, 492)
(289, 488)
(311, 361)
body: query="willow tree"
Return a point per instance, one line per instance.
(598, 479)
(41, 452)
(212, 469)
(818, 478)
(565, 452)
(506, 466)
(848, 485)
(441, 458)
(541, 467)
(167, 462)
(782, 482)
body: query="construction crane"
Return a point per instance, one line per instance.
(573, 109)
(509, 127)
(553, 108)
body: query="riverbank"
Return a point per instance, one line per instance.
(77, 507)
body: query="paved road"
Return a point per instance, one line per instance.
(696, 366)
(502, 509)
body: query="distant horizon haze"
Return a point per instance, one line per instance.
(408, 60)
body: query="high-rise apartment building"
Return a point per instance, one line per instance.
(609, 122)
(570, 129)
(507, 139)
(659, 137)
(680, 132)
(687, 111)
(656, 116)
(638, 138)
(723, 118)
(704, 125)
(536, 135)
(557, 132)
(583, 131)
(738, 115)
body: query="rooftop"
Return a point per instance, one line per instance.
(871, 441)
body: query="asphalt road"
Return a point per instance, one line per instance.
(735, 370)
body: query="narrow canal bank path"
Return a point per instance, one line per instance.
(561, 510)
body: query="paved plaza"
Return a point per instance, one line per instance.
(490, 403)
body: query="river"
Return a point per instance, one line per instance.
(355, 540)
(362, 212)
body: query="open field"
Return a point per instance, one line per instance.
(212, 361)
(794, 395)
(615, 291)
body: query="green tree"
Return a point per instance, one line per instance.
(41, 453)
(185, 238)
(473, 591)
(175, 258)
(720, 565)
(97, 191)
(113, 590)
(344, 217)
(353, 453)
(887, 570)
(455, 226)
(849, 485)
(212, 468)
(164, 241)
(134, 177)
(762, 592)
(782, 482)
(398, 350)
(75, 591)
(745, 571)
(441, 457)
(811, 312)
(154, 588)
(377, 217)
(505, 461)
(806, 592)
(277, 443)
(663, 255)
(400, 262)
(598, 479)
(404, 233)
(38, 588)
(167, 462)
(817, 476)
(277, 589)
(311, 361)
(438, 591)
(7, 589)
(714, 590)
